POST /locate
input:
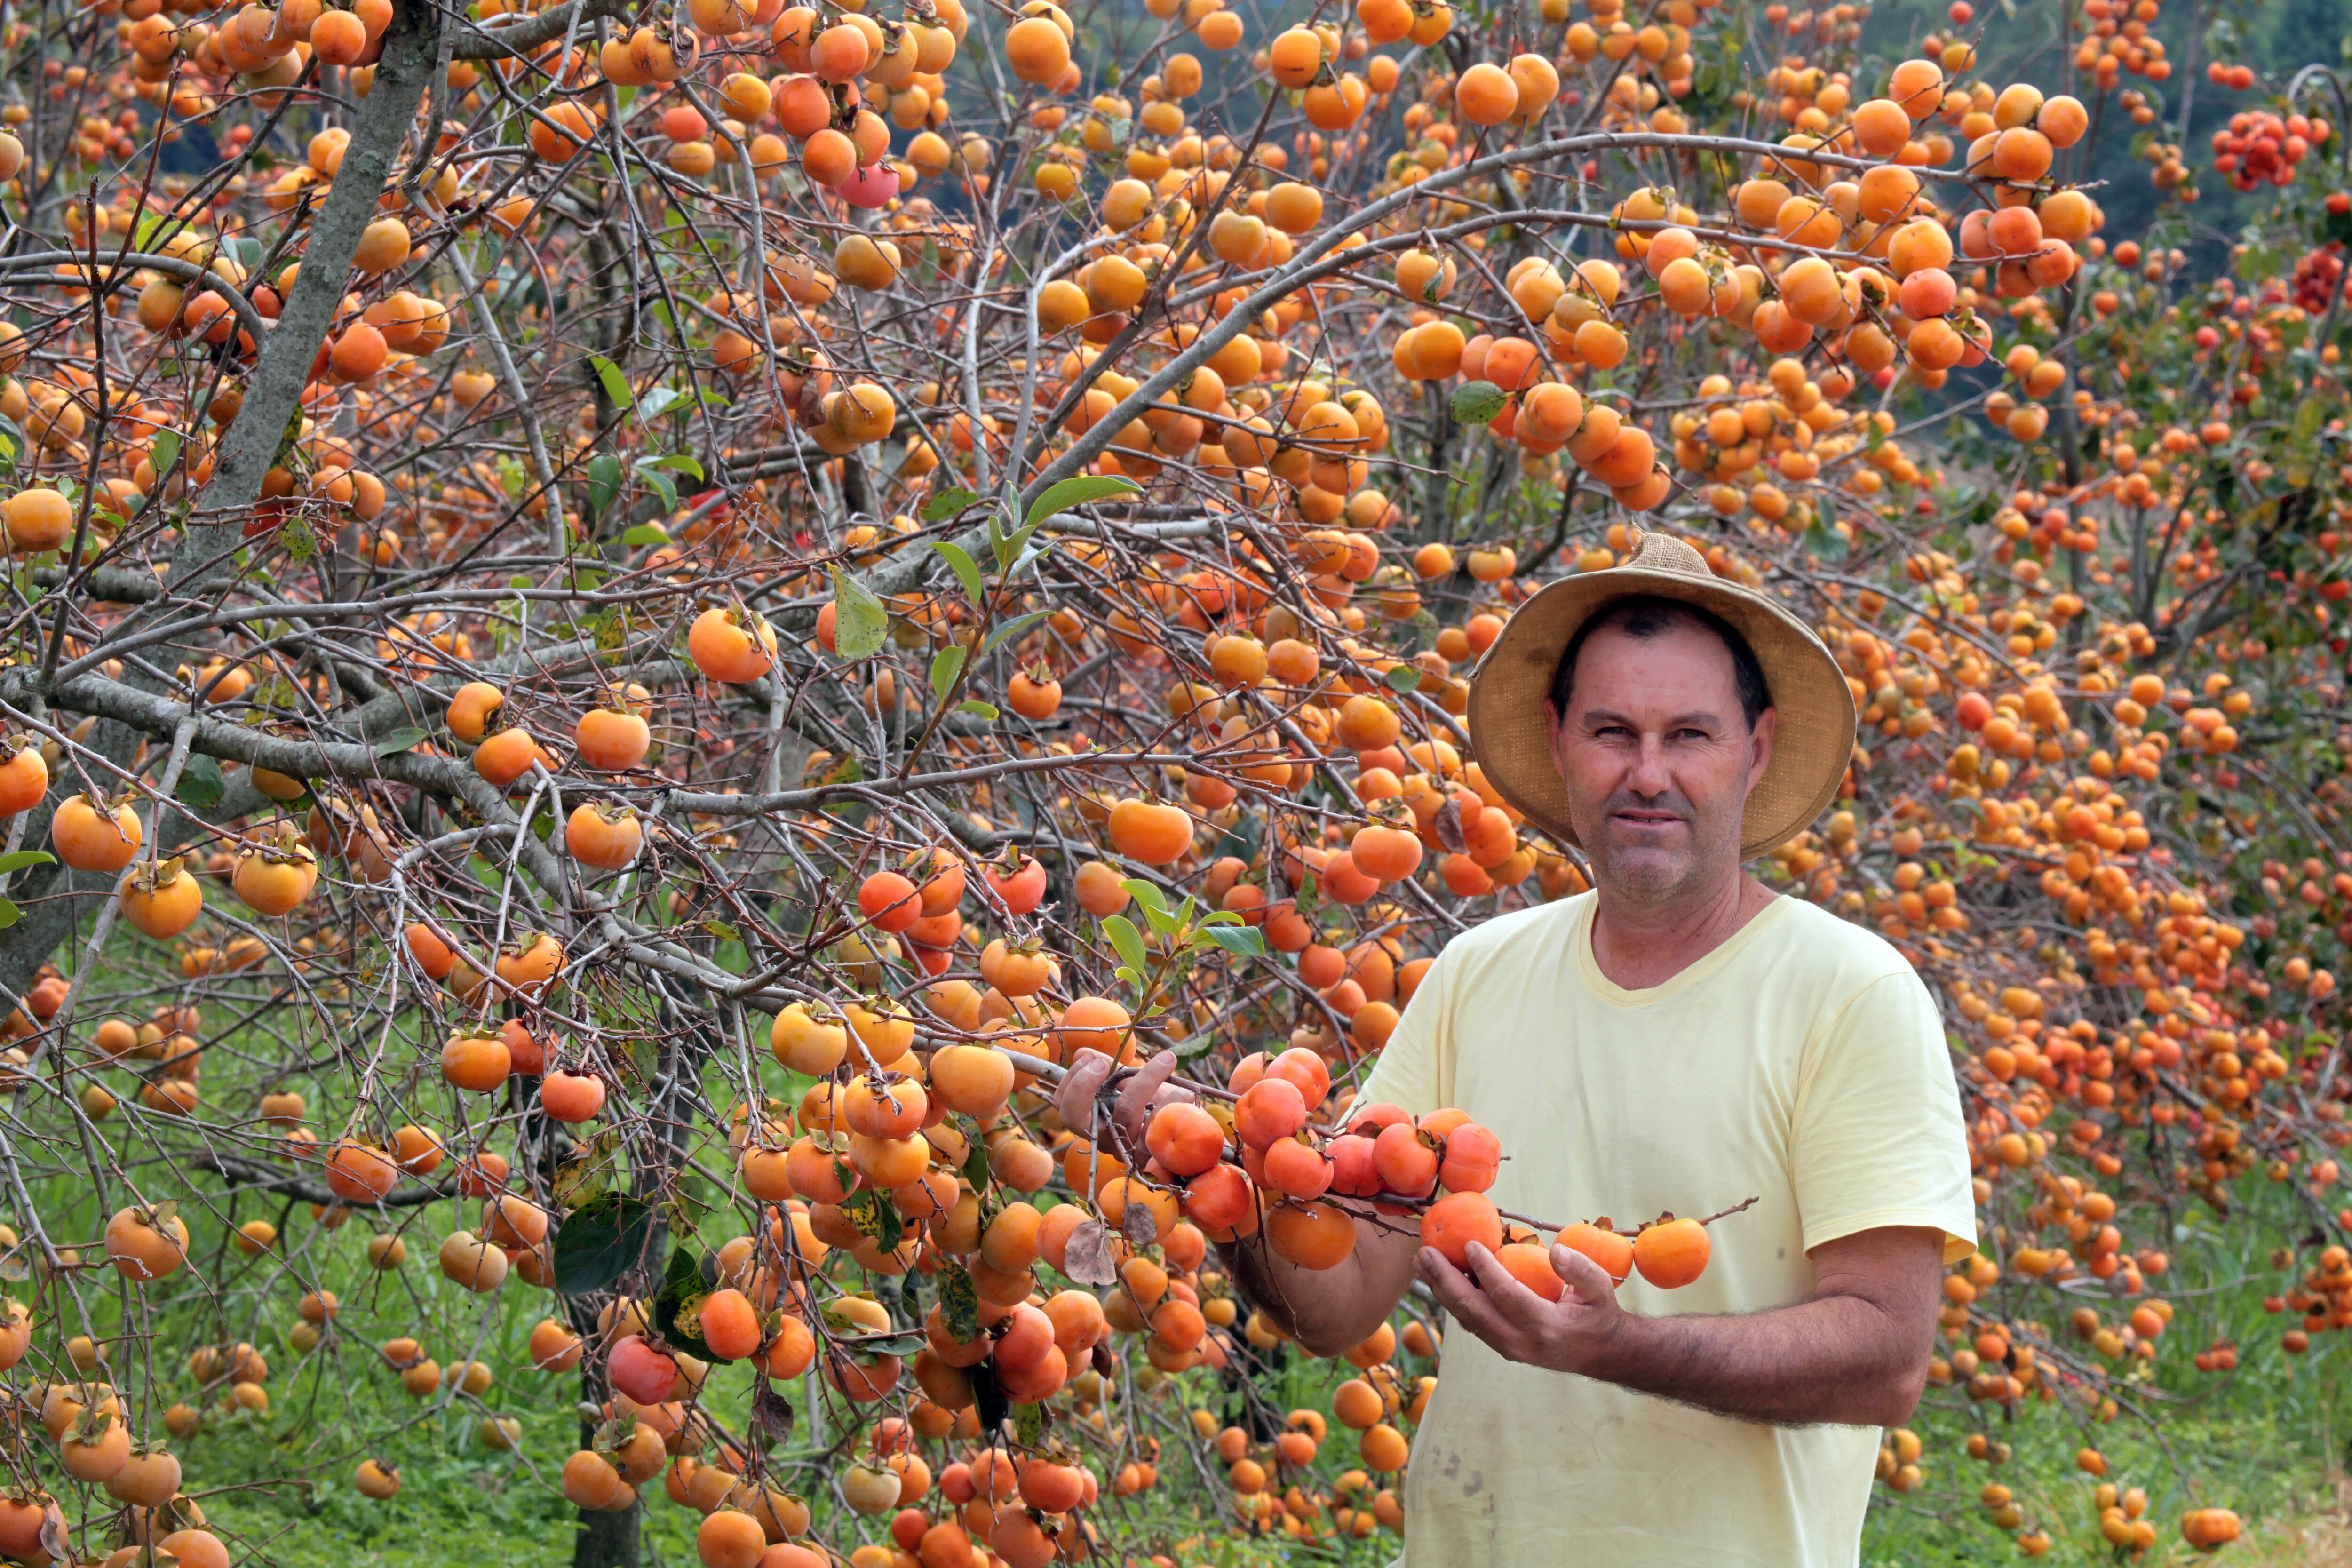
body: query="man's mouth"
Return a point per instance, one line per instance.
(1648, 818)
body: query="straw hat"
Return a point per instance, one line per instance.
(1810, 747)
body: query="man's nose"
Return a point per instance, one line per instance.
(1651, 774)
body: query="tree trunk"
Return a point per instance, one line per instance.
(607, 1540)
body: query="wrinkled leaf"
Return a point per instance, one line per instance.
(772, 1413)
(1404, 678)
(688, 1281)
(877, 1216)
(945, 505)
(587, 1175)
(958, 1302)
(1078, 489)
(1087, 1257)
(1140, 1229)
(599, 1241)
(1477, 401)
(1448, 826)
(859, 621)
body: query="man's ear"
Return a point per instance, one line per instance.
(1760, 745)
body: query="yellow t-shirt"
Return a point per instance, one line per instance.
(1802, 1063)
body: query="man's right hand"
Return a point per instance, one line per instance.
(1141, 1090)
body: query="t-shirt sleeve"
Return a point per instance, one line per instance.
(1879, 1138)
(1406, 1075)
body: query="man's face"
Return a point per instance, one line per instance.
(1658, 759)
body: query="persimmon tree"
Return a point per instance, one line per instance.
(627, 627)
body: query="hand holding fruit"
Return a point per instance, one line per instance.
(1144, 1091)
(1570, 1327)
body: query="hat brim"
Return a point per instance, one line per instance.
(1813, 742)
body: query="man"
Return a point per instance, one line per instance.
(1678, 1040)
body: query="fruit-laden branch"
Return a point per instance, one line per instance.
(273, 397)
(243, 1173)
(271, 400)
(483, 41)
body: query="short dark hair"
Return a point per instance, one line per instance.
(1646, 615)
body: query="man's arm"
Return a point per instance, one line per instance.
(1327, 1310)
(1856, 1355)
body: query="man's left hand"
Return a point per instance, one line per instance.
(1571, 1334)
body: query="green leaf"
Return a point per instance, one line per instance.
(1128, 941)
(1011, 629)
(911, 1300)
(1148, 894)
(1028, 1423)
(1477, 402)
(975, 1166)
(164, 451)
(946, 665)
(599, 1241)
(1243, 941)
(201, 783)
(683, 462)
(1077, 490)
(18, 859)
(966, 569)
(979, 711)
(859, 621)
(1404, 678)
(947, 504)
(662, 483)
(658, 401)
(399, 740)
(646, 533)
(616, 386)
(604, 477)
